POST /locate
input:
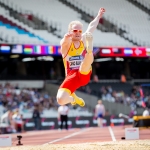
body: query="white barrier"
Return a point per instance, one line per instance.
(131, 133)
(5, 140)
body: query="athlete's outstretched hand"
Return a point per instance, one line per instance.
(101, 12)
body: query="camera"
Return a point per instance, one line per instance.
(19, 140)
(19, 137)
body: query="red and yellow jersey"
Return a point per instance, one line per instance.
(74, 57)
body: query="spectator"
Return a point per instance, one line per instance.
(18, 121)
(148, 103)
(99, 113)
(132, 112)
(63, 115)
(107, 113)
(36, 118)
(123, 78)
(109, 89)
(146, 112)
(95, 78)
(7, 122)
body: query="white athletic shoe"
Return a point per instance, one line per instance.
(89, 42)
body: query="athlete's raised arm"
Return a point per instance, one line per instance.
(94, 23)
(65, 43)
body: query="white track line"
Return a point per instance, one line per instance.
(35, 133)
(112, 134)
(68, 136)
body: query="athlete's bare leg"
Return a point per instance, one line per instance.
(100, 122)
(64, 97)
(88, 60)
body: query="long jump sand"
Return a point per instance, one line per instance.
(117, 145)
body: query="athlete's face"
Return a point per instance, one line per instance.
(76, 32)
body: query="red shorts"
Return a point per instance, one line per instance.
(75, 79)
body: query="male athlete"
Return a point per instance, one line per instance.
(77, 53)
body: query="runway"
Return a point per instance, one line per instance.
(76, 136)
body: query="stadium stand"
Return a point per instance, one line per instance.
(48, 13)
(17, 32)
(134, 96)
(144, 3)
(126, 15)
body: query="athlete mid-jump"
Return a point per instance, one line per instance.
(77, 53)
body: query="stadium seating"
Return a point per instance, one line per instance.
(145, 3)
(41, 33)
(17, 32)
(122, 13)
(49, 12)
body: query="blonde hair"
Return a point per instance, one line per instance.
(74, 23)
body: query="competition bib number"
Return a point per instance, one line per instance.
(75, 62)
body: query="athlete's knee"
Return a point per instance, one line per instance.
(61, 98)
(60, 101)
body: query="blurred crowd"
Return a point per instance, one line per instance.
(11, 97)
(14, 102)
(138, 97)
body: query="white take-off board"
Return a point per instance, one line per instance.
(131, 133)
(5, 140)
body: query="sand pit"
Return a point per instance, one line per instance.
(118, 145)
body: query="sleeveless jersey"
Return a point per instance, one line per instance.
(74, 57)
